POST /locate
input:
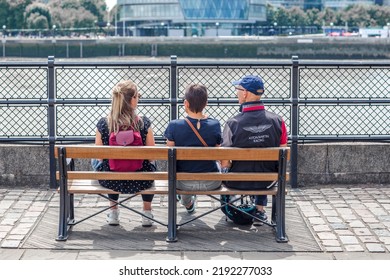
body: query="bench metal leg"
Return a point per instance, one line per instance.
(64, 203)
(280, 200)
(273, 211)
(172, 207)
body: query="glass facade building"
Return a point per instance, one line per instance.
(189, 17)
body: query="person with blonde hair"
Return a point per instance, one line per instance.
(123, 116)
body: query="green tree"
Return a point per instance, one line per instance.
(15, 19)
(312, 17)
(297, 17)
(4, 12)
(38, 16)
(96, 7)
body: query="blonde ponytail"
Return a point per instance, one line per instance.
(122, 116)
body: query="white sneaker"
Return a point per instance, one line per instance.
(113, 217)
(145, 221)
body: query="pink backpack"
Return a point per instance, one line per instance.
(125, 138)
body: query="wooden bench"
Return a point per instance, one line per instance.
(281, 155)
(85, 182)
(73, 182)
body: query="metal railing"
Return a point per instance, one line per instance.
(53, 102)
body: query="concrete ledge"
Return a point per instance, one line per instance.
(343, 163)
(330, 163)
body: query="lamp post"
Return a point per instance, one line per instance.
(108, 29)
(216, 26)
(388, 29)
(54, 30)
(331, 28)
(4, 40)
(275, 26)
(95, 25)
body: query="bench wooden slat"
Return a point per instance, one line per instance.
(227, 191)
(233, 176)
(228, 153)
(111, 152)
(94, 175)
(93, 187)
(227, 176)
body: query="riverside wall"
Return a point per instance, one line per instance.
(329, 163)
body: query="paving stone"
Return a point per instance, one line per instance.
(349, 217)
(385, 239)
(364, 213)
(338, 226)
(379, 212)
(344, 211)
(324, 206)
(330, 243)
(348, 239)
(375, 247)
(312, 214)
(326, 235)
(10, 243)
(377, 226)
(384, 218)
(320, 228)
(362, 231)
(356, 224)
(334, 220)
(382, 232)
(317, 221)
(343, 232)
(20, 231)
(370, 220)
(358, 206)
(16, 237)
(9, 222)
(368, 239)
(329, 213)
(354, 248)
(371, 205)
(334, 249)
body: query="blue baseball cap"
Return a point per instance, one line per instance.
(251, 83)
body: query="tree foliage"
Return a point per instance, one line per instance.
(20, 14)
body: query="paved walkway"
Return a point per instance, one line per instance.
(347, 222)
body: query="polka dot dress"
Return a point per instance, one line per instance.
(130, 186)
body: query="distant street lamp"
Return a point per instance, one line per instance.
(108, 28)
(54, 30)
(331, 28)
(216, 26)
(162, 28)
(4, 28)
(95, 22)
(275, 26)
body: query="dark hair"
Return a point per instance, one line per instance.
(196, 95)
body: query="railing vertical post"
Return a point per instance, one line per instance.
(173, 87)
(294, 122)
(51, 120)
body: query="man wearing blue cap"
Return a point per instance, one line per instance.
(253, 127)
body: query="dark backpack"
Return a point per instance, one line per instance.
(125, 138)
(235, 215)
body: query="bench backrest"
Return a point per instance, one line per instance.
(171, 154)
(110, 152)
(279, 154)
